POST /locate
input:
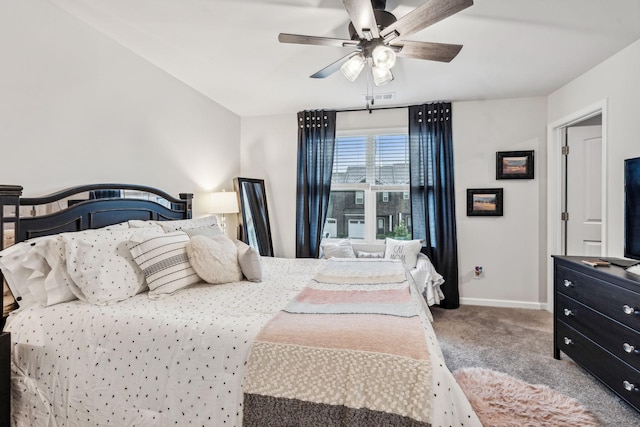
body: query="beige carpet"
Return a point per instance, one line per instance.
(501, 400)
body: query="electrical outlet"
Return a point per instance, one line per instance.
(478, 272)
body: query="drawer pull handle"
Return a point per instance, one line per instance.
(630, 349)
(568, 283)
(568, 312)
(629, 386)
(568, 341)
(629, 310)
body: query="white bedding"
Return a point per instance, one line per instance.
(175, 361)
(140, 362)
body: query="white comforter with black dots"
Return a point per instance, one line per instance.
(179, 361)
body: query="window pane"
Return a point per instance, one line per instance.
(392, 159)
(350, 160)
(345, 218)
(394, 215)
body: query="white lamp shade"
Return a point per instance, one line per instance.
(381, 76)
(383, 57)
(352, 68)
(224, 202)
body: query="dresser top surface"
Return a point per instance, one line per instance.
(605, 273)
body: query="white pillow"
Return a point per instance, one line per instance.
(184, 224)
(405, 250)
(208, 231)
(163, 260)
(215, 259)
(36, 273)
(19, 264)
(250, 262)
(363, 254)
(428, 280)
(101, 265)
(58, 285)
(341, 249)
(118, 226)
(139, 223)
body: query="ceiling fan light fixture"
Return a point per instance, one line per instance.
(352, 68)
(381, 76)
(383, 57)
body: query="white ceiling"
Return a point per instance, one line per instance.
(229, 51)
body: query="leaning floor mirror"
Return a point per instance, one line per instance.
(254, 227)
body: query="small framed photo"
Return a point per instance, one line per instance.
(514, 165)
(484, 202)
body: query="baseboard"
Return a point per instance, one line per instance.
(503, 303)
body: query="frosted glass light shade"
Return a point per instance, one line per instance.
(383, 57)
(381, 76)
(352, 68)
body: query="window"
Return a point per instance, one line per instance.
(370, 187)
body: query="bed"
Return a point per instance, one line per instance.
(99, 339)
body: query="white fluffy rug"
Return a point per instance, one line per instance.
(503, 401)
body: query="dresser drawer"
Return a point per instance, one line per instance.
(614, 337)
(613, 301)
(613, 372)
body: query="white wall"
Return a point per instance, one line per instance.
(269, 151)
(77, 108)
(617, 82)
(507, 247)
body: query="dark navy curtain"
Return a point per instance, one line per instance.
(433, 207)
(316, 143)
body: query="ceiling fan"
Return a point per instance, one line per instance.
(377, 37)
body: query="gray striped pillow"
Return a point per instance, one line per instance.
(164, 262)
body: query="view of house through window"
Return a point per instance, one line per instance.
(370, 188)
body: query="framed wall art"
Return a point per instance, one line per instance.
(484, 202)
(514, 164)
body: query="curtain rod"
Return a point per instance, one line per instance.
(371, 110)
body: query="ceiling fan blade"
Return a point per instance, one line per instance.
(332, 68)
(442, 52)
(423, 16)
(362, 17)
(320, 41)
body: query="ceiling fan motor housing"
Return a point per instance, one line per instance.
(383, 19)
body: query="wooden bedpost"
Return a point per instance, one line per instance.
(188, 197)
(9, 214)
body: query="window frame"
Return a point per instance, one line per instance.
(370, 190)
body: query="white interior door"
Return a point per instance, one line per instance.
(584, 191)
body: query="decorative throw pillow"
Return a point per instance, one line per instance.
(164, 261)
(214, 259)
(363, 254)
(100, 264)
(250, 262)
(405, 250)
(341, 249)
(209, 231)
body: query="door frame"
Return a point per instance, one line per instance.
(555, 140)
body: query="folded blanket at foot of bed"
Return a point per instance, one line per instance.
(349, 349)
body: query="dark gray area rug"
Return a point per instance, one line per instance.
(519, 342)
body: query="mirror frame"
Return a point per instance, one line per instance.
(265, 244)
